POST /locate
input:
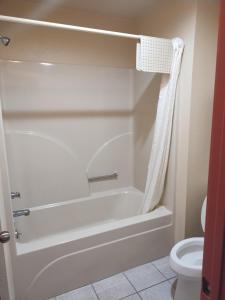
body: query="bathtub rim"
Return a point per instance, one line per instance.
(161, 213)
(119, 191)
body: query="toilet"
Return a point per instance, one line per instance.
(186, 260)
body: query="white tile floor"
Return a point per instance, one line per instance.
(152, 281)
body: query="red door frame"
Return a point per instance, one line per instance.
(214, 249)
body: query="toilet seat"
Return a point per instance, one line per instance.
(186, 257)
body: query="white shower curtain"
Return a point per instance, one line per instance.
(163, 131)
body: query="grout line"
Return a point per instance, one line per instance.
(172, 290)
(162, 272)
(164, 275)
(140, 296)
(92, 285)
(124, 298)
(130, 282)
(153, 285)
(166, 280)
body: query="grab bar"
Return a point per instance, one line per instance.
(103, 177)
(21, 212)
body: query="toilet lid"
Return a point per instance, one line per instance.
(203, 214)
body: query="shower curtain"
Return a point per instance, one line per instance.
(163, 131)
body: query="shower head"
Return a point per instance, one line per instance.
(4, 40)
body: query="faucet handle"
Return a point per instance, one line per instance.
(21, 212)
(17, 234)
(15, 195)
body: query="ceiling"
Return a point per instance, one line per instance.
(126, 8)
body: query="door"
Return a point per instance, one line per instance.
(6, 228)
(213, 287)
(5, 290)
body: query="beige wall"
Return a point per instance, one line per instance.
(43, 44)
(201, 112)
(166, 20)
(195, 22)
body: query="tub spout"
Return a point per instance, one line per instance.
(21, 212)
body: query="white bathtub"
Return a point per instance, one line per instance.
(66, 245)
(50, 224)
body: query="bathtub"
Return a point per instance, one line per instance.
(50, 224)
(66, 245)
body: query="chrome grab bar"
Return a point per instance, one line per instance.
(103, 177)
(21, 212)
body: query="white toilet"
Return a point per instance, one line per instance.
(186, 260)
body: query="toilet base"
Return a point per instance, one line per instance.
(188, 288)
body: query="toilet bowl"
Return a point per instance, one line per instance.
(186, 260)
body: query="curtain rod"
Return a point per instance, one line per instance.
(68, 27)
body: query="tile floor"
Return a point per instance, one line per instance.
(152, 281)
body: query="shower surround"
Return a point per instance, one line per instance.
(65, 124)
(72, 118)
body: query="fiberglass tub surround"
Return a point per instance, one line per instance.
(64, 126)
(76, 125)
